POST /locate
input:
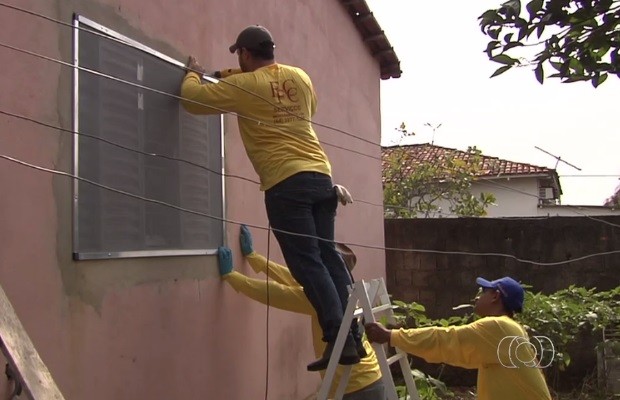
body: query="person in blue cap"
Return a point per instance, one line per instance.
(496, 345)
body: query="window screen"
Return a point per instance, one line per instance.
(109, 224)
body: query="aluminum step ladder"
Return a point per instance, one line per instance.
(367, 299)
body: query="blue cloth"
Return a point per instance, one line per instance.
(224, 256)
(245, 240)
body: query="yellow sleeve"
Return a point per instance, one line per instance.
(198, 96)
(277, 272)
(224, 73)
(280, 296)
(468, 346)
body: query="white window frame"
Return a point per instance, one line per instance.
(77, 255)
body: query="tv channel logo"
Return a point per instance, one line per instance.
(519, 352)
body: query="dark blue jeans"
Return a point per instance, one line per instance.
(306, 203)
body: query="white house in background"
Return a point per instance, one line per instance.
(520, 189)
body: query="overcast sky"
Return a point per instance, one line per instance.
(446, 80)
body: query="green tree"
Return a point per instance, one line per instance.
(614, 200)
(579, 39)
(412, 191)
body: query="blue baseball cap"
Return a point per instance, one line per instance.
(510, 290)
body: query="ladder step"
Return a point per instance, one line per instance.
(375, 310)
(371, 298)
(396, 357)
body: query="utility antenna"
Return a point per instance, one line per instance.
(558, 159)
(434, 128)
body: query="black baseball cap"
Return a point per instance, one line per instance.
(254, 37)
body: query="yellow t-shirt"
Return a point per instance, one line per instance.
(286, 294)
(278, 144)
(476, 346)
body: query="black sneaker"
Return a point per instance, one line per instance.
(349, 356)
(322, 362)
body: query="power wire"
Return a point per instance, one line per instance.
(164, 93)
(115, 144)
(364, 246)
(571, 208)
(34, 54)
(393, 206)
(267, 317)
(64, 130)
(108, 37)
(199, 103)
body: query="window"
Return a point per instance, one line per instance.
(109, 224)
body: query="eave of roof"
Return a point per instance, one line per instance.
(374, 37)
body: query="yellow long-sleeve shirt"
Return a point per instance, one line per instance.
(278, 143)
(286, 294)
(475, 346)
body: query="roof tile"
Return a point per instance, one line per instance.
(491, 166)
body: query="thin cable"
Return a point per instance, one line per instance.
(590, 176)
(55, 127)
(70, 131)
(192, 101)
(94, 32)
(280, 108)
(571, 208)
(64, 130)
(103, 35)
(374, 247)
(284, 109)
(161, 92)
(267, 321)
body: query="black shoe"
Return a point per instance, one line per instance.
(361, 350)
(322, 362)
(348, 356)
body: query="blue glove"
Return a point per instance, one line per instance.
(224, 255)
(245, 239)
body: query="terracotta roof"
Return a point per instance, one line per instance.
(374, 37)
(492, 167)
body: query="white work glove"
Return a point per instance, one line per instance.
(344, 197)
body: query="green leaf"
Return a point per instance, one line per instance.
(598, 79)
(539, 73)
(504, 59)
(514, 6)
(488, 15)
(556, 65)
(511, 45)
(492, 46)
(533, 7)
(501, 70)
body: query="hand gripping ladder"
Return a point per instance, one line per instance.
(368, 298)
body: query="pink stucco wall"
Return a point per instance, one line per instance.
(168, 327)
